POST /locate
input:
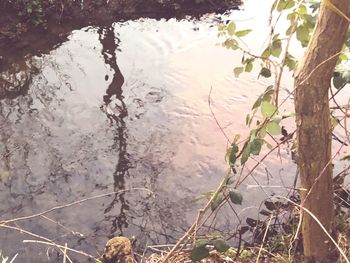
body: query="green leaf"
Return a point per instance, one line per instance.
(255, 147)
(249, 66)
(232, 158)
(247, 119)
(290, 62)
(334, 122)
(290, 30)
(284, 5)
(217, 201)
(243, 33)
(234, 146)
(243, 59)
(201, 197)
(233, 154)
(243, 230)
(303, 35)
(237, 136)
(273, 7)
(302, 10)
(237, 71)
(268, 95)
(291, 16)
(289, 4)
(231, 43)
(273, 128)
(265, 72)
(251, 119)
(245, 153)
(198, 253)
(275, 37)
(230, 180)
(342, 57)
(280, 5)
(340, 78)
(236, 197)
(268, 109)
(309, 21)
(338, 81)
(220, 245)
(257, 103)
(264, 212)
(269, 90)
(201, 242)
(231, 28)
(345, 158)
(252, 134)
(262, 132)
(277, 118)
(252, 222)
(276, 52)
(270, 205)
(221, 27)
(266, 52)
(276, 48)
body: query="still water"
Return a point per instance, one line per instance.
(126, 106)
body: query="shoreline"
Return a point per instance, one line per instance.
(27, 29)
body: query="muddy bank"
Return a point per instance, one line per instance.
(34, 27)
(32, 24)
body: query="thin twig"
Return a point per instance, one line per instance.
(264, 238)
(317, 67)
(284, 59)
(70, 204)
(59, 246)
(261, 160)
(21, 230)
(216, 120)
(64, 227)
(64, 254)
(201, 213)
(345, 123)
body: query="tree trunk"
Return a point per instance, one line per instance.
(312, 82)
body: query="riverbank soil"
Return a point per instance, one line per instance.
(34, 27)
(25, 22)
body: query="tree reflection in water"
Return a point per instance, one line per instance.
(116, 111)
(58, 148)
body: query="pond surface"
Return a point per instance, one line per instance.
(120, 107)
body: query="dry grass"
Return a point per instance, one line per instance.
(279, 248)
(247, 256)
(344, 241)
(184, 257)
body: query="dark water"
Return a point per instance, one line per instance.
(114, 108)
(119, 107)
